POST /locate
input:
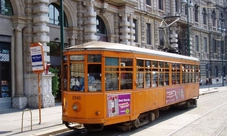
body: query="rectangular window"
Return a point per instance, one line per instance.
(205, 44)
(214, 45)
(216, 71)
(160, 4)
(197, 42)
(148, 34)
(176, 6)
(136, 30)
(148, 2)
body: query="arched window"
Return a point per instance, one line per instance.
(101, 29)
(54, 15)
(196, 13)
(213, 16)
(204, 16)
(6, 8)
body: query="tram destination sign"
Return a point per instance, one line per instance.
(37, 60)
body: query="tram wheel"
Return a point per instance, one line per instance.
(187, 105)
(83, 131)
(136, 123)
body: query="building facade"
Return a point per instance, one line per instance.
(189, 27)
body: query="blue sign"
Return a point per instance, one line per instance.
(36, 58)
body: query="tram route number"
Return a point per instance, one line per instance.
(76, 97)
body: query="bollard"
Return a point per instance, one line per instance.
(23, 118)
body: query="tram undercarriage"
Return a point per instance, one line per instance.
(143, 119)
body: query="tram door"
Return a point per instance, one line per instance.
(94, 77)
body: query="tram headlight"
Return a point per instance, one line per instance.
(75, 107)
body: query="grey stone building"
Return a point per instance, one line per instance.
(188, 27)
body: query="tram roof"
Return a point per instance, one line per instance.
(98, 45)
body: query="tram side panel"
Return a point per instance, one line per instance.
(146, 100)
(192, 90)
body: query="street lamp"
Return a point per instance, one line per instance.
(222, 55)
(188, 5)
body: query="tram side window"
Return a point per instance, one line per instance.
(140, 73)
(94, 57)
(155, 73)
(111, 81)
(166, 73)
(94, 77)
(111, 74)
(148, 73)
(197, 74)
(175, 73)
(77, 76)
(161, 74)
(65, 70)
(126, 73)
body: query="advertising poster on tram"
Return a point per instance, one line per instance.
(175, 94)
(118, 104)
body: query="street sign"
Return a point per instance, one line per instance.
(37, 58)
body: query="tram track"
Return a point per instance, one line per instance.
(220, 129)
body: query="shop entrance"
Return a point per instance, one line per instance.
(5, 76)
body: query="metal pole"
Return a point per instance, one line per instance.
(188, 36)
(62, 45)
(39, 98)
(62, 38)
(222, 50)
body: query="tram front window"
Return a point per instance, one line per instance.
(77, 76)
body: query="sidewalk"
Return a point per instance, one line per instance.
(11, 119)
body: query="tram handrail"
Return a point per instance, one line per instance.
(23, 118)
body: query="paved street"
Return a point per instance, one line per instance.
(171, 122)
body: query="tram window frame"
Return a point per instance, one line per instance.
(111, 81)
(140, 70)
(155, 73)
(94, 73)
(126, 73)
(65, 76)
(175, 73)
(94, 58)
(148, 74)
(166, 74)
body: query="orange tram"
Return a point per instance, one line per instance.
(110, 83)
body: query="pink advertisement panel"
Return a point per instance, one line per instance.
(118, 104)
(175, 94)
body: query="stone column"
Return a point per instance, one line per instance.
(172, 7)
(90, 23)
(132, 30)
(124, 30)
(143, 30)
(72, 36)
(40, 31)
(80, 21)
(116, 28)
(174, 37)
(19, 100)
